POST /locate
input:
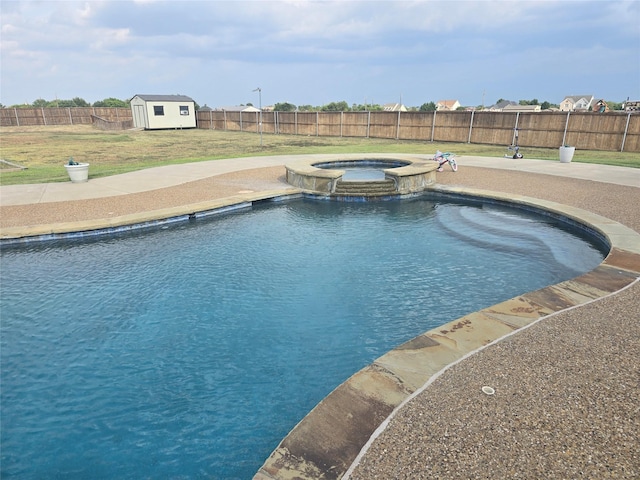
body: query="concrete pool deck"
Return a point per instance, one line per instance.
(567, 395)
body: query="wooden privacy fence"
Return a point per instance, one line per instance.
(104, 124)
(22, 117)
(612, 131)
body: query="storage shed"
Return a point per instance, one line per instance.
(163, 111)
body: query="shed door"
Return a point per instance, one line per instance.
(139, 117)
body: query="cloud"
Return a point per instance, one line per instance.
(319, 51)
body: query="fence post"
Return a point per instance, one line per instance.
(70, 117)
(224, 113)
(566, 125)
(471, 126)
(398, 127)
(317, 123)
(295, 123)
(341, 122)
(240, 120)
(368, 123)
(626, 128)
(44, 117)
(433, 125)
(15, 112)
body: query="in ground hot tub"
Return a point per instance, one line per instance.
(362, 170)
(397, 174)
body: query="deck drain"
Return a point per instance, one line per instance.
(488, 390)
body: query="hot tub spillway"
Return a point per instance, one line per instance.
(368, 188)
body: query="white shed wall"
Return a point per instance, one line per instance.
(144, 114)
(172, 117)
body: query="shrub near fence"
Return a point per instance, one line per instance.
(612, 131)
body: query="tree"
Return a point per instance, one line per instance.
(428, 107)
(62, 103)
(79, 102)
(111, 102)
(367, 107)
(529, 102)
(284, 107)
(40, 102)
(335, 107)
(306, 108)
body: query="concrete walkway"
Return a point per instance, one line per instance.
(172, 175)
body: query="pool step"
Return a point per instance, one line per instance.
(371, 188)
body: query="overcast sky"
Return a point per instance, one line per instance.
(317, 52)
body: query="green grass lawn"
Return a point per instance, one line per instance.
(44, 150)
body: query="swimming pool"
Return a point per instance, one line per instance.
(192, 350)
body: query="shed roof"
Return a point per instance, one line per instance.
(165, 98)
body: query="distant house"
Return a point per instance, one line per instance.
(394, 107)
(238, 108)
(498, 107)
(447, 105)
(163, 111)
(631, 106)
(600, 106)
(576, 103)
(522, 108)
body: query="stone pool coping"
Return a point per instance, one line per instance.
(146, 219)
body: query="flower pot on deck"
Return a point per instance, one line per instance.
(78, 172)
(566, 154)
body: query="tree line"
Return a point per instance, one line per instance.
(286, 106)
(425, 107)
(74, 102)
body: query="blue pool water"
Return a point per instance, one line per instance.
(362, 170)
(191, 351)
(363, 174)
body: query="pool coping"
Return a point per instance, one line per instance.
(331, 438)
